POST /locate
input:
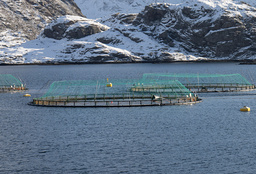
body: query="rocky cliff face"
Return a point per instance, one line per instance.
(201, 30)
(25, 19)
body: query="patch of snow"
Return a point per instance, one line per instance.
(78, 22)
(223, 29)
(9, 39)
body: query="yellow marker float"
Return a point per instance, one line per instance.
(245, 109)
(109, 84)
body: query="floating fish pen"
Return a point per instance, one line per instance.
(206, 82)
(118, 93)
(9, 83)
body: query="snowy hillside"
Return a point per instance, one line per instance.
(132, 31)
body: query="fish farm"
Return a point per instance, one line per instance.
(154, 89)
(9, 83)
(117, 93)
(206, 82)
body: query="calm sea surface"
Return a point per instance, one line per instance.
(209, 137)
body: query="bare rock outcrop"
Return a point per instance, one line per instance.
(29, 17)
(73, 27)
(201, 30)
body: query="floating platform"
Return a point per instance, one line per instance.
(197, 88)
(113, 101)
(203, 88)
(205, 82)
(118, 93)
(8, 83)
(11, 89)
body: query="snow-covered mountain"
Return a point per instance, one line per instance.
(131, 31)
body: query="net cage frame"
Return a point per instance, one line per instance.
(202, 79)
(121, 87)
(9, 81)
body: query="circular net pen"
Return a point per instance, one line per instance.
(9, 83)
(206, 82)
(117, 93)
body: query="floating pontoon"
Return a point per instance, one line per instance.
(121, 93)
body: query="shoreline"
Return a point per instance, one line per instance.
(241, 62)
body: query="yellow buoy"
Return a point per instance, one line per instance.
(109, 84)
(27, 95)
(245, 109)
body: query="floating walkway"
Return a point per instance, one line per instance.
(10, 83)
(122, 100)
(232, 87)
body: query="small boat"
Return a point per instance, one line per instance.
(27, 95)
(245, 109)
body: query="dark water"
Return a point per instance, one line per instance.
(210, 137)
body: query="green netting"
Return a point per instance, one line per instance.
(7, 80)
(119, 86)
(199, 78)
(173, 87)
